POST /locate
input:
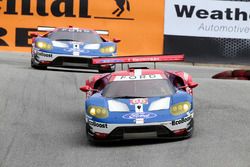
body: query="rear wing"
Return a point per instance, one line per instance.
(45, 29)
(48, 29)
(138, 59)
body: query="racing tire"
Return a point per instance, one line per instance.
(37, 66)
(89, 138)
(191, 130)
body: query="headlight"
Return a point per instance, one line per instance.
(108, 49)
(162, 104)
(116, 106)
(98, 112)
(44, 45)
(59, 44)
(92, 46)
(180, 108)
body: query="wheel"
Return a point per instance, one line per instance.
(89, 138)
(35, 66)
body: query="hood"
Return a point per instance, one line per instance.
(131, 110)
(78, 48)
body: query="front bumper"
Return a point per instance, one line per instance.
(176, 129)
(62, 60)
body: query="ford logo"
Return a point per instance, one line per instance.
(137, 115)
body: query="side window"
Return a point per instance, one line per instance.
(176, 80)
(101, 83)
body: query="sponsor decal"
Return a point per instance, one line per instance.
(44, 54)
(182, 120)
(97, 124)
(67, 11)
(138, 77)
(53, 9)
(138, 101)
(3, 32)
(138, 115)
(224, 19)
(93, 14)
(120, 4)
(41, 10)
(75, 30)
(227, 14)
(110, 61)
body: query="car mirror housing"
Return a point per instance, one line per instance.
(87, 88)
(116, 40)
(34, 34)
(192, 84)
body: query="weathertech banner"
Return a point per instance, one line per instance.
(137, 23)
(224, 19)
(208, 31)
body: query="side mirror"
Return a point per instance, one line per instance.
(87, 88)
(192, 85)
(34, 34)
(116, 40)
(182, 87)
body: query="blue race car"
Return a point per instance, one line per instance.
(139, 103)
(71, 47)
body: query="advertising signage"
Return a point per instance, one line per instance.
(223, 19)
(138, 24)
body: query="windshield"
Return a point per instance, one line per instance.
(78, 35)
(138, 88)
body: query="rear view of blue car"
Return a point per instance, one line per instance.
(71, 47)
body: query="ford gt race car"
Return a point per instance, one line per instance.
(71, 47)
(139, 102)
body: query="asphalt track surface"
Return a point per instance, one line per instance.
(41, 122)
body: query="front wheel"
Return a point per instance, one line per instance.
(35, 66)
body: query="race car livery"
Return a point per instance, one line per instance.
(139, 103)
(71, 47)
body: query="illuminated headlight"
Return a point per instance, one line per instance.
(108, 49)
(59, 44)
(180, 108)
(44, 45)
(161, 104)
(92, 46)
(116, 106)
(98, 112)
